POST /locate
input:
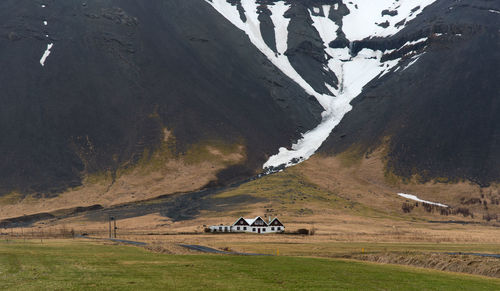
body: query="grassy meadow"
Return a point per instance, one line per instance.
(84, 265)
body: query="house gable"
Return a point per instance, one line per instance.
(276, 222)
(241, 221)
(259, 222)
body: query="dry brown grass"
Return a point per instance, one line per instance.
(364, 181)
(329, 227)
(146, 180)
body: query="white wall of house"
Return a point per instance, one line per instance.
(220, 228)
(249, 229)
(274, 229)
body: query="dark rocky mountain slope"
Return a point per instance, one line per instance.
(96, 86)
(438, 118)
(120, 73)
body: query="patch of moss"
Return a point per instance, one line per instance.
(156, 159)
(11, 198)
(214, 151)
(101, 178)
(391, 178)
(351, 157)
(446, 180)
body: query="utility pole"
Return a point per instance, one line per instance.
(110, 232)
(114, 224)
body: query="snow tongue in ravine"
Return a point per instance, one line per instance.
(364, 19)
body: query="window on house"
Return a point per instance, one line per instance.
(272, 228)
(253, 229)
(263, 230)
(238, 228)
(244, 228)
(225, 228)
(220, 227)
(279, 228)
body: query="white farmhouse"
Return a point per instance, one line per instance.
(253, 225)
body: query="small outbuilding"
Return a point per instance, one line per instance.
(252, 225)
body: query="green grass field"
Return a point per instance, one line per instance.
(85, 265)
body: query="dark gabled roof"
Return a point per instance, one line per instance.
(241, 221)
(257, 220)
(276, 222)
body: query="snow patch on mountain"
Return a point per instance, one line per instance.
(326, 28)
(409, 43)
(415, 198)
(414, 59)
(352, 71)
(49, 46)
(380, 18)
(46, 54)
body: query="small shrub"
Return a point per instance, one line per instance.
(463, 211)
(303, 231)
(427, 207)
(444, 211)
(407, 207)
(470, 201)
(488, 217)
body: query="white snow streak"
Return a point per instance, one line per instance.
(494, 11)
(415, 198)
(414, 60)
(408, 43)
(46, 54)
(353, 72)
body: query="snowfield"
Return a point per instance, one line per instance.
(365, 17)
(415, 198)
(352, 71)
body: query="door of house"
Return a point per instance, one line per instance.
(259, 229)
